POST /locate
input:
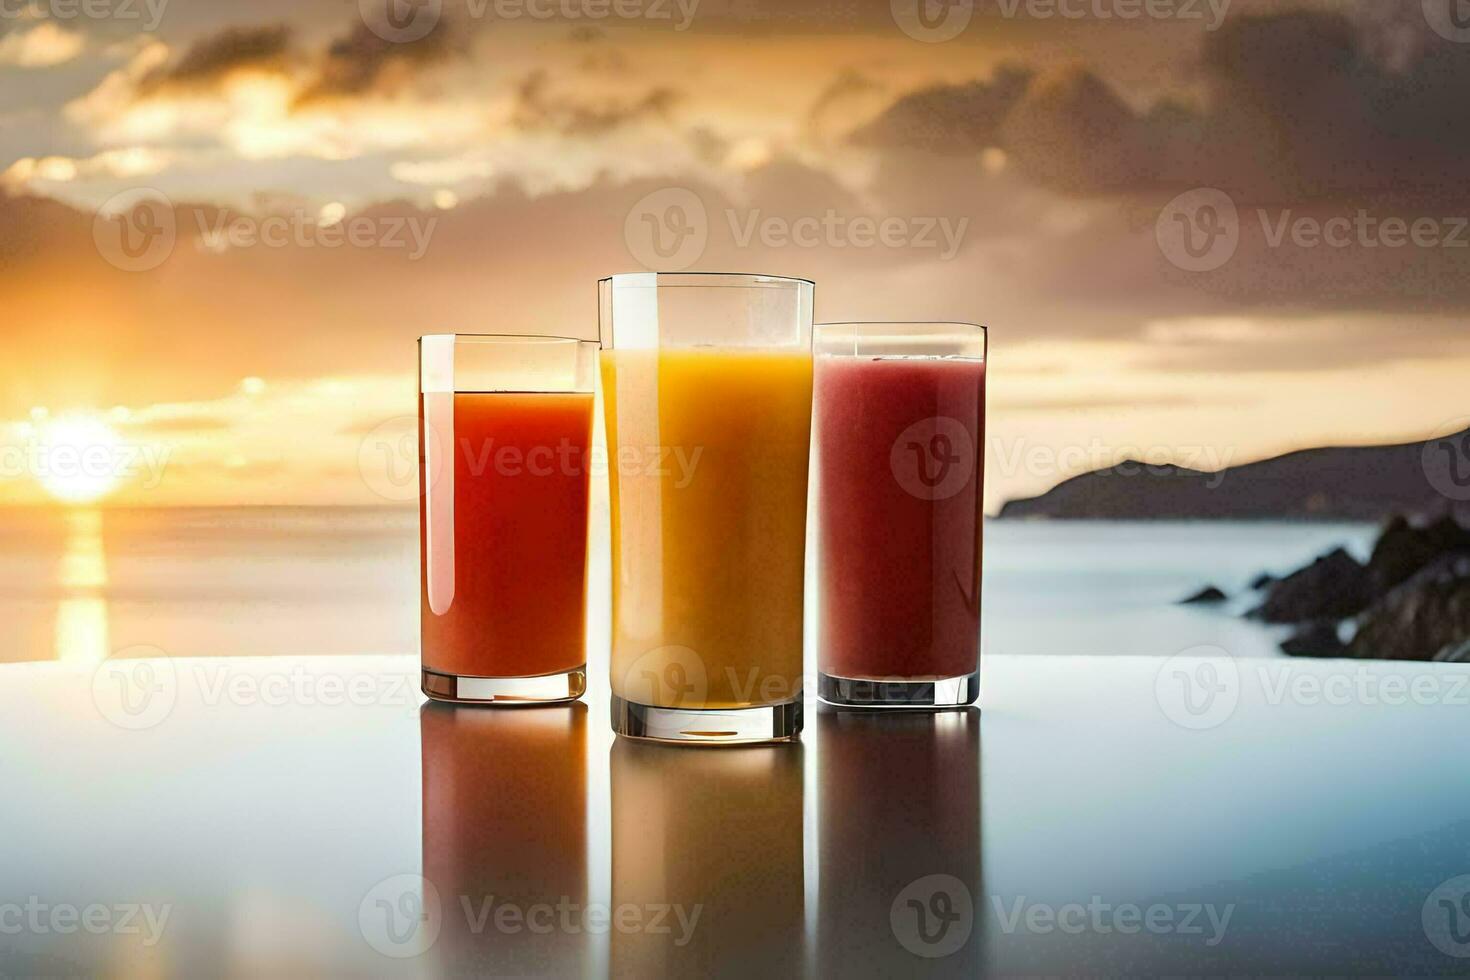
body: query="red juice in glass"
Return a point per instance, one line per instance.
(900, 429)
(506, 427)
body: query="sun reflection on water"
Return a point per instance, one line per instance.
(81, 615)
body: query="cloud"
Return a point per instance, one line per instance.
(538, 108)
(948, 119)
(212, 59)
(1297, 106)
(361, 63)
(124, 163)
(43, 46)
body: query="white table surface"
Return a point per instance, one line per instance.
(266, 805)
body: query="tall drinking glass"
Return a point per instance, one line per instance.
(707, 390)
(505, 424)
(900, 433)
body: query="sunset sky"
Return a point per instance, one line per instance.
(480, 178)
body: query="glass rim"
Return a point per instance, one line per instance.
(707, 280)
(936, 327)
(950, 340)
(508, 338)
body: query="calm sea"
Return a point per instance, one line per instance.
(83, 585)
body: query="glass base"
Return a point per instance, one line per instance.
(946, 692)
(708, 726)
(510, 691)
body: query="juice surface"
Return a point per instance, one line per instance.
(519, 568)
(899, 491)
(708, 476)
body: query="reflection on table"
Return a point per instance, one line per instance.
(505, 838)
(708, 842)
(899, 829)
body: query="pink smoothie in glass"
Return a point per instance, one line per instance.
(899, 484)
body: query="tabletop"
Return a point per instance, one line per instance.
(314, 816)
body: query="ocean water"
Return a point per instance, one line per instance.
(82, 585)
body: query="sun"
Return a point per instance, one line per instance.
(81, 458)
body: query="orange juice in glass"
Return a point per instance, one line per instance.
(707, 392)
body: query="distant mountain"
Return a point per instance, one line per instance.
(1367, 483)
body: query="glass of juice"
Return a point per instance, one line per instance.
(505, 425)
(707, 392)
(900, 435)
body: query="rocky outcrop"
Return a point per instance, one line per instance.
(1411, 601)
(1404, 549)
(1319, 639)
(1455, 653)
(1421, 616)
(1333, 587)
(1209, 594)
(1355, 483)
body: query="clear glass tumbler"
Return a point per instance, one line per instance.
(505, 426)
(900, 435)
(707, 392)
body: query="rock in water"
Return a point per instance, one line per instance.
(1403, 549)
(1262, 580)
(1332, 587)
(1457, 653)
(1317, 639)
(1208, 594)
(1420, 618)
